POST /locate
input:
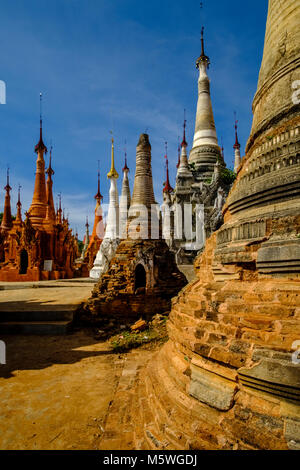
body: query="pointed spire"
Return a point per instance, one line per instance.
(237, 147)
(87, 233)
(40, 145)
(19, 206)
(125, 193)
(86, 239)
(38, 208)
(203, 58)
(125, 165)
(184, 143)
(50, 213)
(178, 151)
(98, 228)
(167, 188)
(113, 173)
(205, 151)
(7, 218)
(7, 187)
(59, 211)
(98, 196)
(49, 170)
(183, 168)
(125, 199)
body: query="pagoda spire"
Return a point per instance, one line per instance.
(167, 188)
(112, 173)
(98, 227)
(143, 184)
(183, 169)
(125, 168)
(205, 151)
(237, 148)
(50, 215)
(204, 59)
(125, 194)
(6, 223)
(98, 196)
(178, 151)
(38, 208)
(86, 238)
(112, 227)
(184, 143)
(125, 199)
(59, 211)
(19, 207)
(148, 224)
(111, 237)
(40, 145)
(87, 233)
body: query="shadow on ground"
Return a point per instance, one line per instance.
(30, 352)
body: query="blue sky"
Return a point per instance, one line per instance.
(121, 65)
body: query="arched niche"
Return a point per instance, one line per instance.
(139, 277)
(23, 262)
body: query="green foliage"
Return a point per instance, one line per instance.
(129, 340)
(227, 176)
(80, 245)
(126, 340)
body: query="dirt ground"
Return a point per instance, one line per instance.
(56, 391)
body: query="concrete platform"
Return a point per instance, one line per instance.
(42, 284)
(41, 307)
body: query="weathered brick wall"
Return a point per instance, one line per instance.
(226, 378)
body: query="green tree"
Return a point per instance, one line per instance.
(80, 245)
(227, 176)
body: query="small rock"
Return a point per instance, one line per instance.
(140, 325)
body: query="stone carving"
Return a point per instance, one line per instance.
(124, 291)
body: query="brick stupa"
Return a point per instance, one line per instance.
(229, 377)
(143, 276)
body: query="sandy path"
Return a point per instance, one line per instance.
(56, 391)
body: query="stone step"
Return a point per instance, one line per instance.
(77, 282)
(36, 315)
(35, 327)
